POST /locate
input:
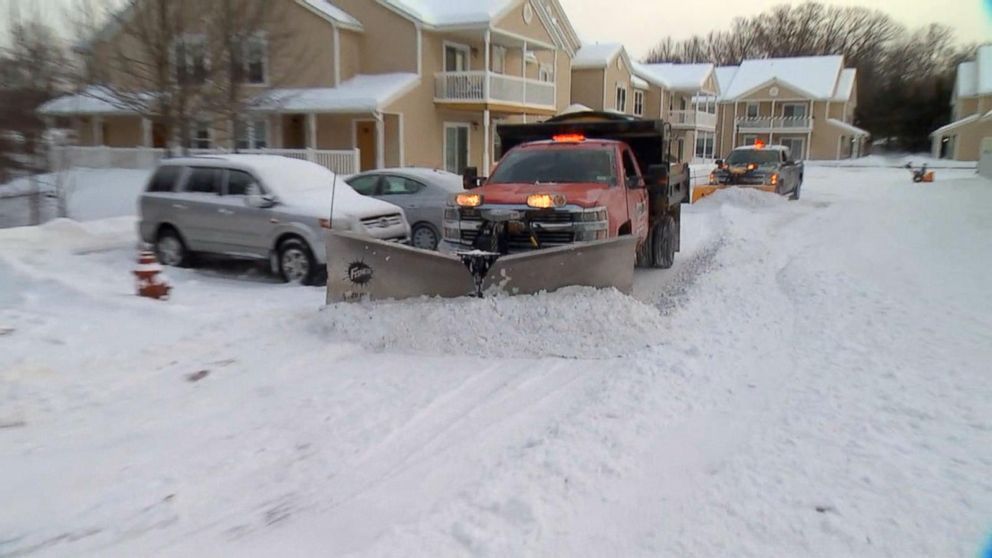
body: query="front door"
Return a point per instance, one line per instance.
(196, 209)
(456, 147)
(365, 141)
(244, 229)
(637, 198)
(294, 132)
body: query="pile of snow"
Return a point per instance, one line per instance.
(570, 323)
(894, 160)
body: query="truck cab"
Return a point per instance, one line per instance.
(769, 168)
(574, 179)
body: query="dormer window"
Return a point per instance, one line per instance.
(621, 100)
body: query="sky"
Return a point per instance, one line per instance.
(639, 24)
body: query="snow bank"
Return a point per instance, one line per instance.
(570, 323)
(92, 194)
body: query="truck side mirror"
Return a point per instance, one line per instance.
(634, 182)
(470, 177)
(656, 175)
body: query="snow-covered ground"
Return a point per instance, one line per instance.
(813, 378)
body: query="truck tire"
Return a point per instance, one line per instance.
(663, 242)
(645, 257)
(795, 192)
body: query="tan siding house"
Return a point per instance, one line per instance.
(805, 103)
(685, 95)
(971, 104)
(406, 82)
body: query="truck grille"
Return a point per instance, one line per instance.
(546, 238)
(536, 216)
(383, 221)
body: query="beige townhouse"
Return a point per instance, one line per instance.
(403, 82)
(605, 78)
(804, 103)
(971, 111)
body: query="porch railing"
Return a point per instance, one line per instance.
(692, 118)
(764, 123)
(471, 87)
(341, 161)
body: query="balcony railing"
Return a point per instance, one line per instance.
(471, 87)
(774, 123)
(692, 119)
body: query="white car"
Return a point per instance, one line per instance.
(258, 206)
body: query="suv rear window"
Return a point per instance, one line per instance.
(164, 179)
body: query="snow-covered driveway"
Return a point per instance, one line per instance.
(813, 378)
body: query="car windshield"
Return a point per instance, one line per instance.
(743, 156)
(556, 165)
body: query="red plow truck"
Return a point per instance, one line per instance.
(577, 200)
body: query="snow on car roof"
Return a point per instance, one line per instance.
(814, 75)
(439, 177)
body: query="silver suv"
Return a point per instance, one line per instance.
(257, 206)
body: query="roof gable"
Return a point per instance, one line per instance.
(598, 55)
(680, 77)
(332, 13)
(815, 75)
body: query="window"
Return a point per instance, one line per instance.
(455, 147)
(164, 179)
(455, 58)
(499, 60)
(546, 73)
(797, 110)
(365, 185)
(200, 135)
(255, 60)
(638, 103)
(704, 145)
(239, 183)
(621, 101)
(189, 57)
(629, 166)
(398, 185)
(204, 180)
(752, 110)
(528, 166)
(795, 146)
(750, 139)
(253, 134)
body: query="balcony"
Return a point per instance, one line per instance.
(692, 119)
(775, 124)
(481, 89)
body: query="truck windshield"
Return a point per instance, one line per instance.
(556, 165)
(744, 156)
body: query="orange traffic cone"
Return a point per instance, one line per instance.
(151, 283)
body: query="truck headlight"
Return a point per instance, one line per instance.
(546, 201)
(468, 200)
(713, 179)
(773, 179)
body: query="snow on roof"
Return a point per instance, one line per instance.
(360, 93)
(334, 13)
(451, 12)
(639, 82)
(850, 128)
(845, 84)
(597, 55)
(956, 124)
(681, 77)
(814, 75)
(92, 100)
(725, 75)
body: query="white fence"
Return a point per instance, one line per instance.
(471, 87)
(343, 161)
(692, 119)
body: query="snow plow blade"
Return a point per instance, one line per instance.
(700, 192)
(362, 268)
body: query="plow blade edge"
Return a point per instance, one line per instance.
(359, 267)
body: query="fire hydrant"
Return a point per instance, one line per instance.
(151, 283)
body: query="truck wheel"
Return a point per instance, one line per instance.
(663, 242)
(795, 193)
(645, 257)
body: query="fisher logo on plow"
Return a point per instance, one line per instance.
(360, 273)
